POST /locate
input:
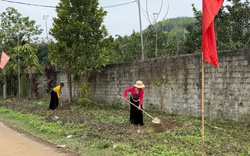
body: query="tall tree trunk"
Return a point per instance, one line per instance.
(30, 79)
(70, 86)
(4, 85)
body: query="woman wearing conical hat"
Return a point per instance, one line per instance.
(136, 97)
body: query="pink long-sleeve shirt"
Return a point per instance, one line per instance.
(132, 89)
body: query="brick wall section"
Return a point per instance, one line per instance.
(61, 77)
(226, 90)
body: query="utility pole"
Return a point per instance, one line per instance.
(45, 17)
(142, 46)
(18, 64)
(155, 27)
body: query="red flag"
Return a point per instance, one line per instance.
(209, 10)
(4, 59)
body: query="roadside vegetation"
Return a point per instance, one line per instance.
(103, 129)
(81, 46)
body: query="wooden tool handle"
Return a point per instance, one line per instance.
(136, 106)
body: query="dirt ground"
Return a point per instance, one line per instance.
(168, 125)
(13, 143)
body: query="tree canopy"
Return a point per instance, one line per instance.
(79, 34)
(14, 27)
(182, 35)
(164, 38)
(80, 37)
(231, 26)
(16, 31)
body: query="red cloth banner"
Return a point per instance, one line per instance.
(209, 11)
(4, 59)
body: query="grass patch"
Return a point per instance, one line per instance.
(103, 129)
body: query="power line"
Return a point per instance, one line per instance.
(117, 5)
(49, 6)
(38, 5)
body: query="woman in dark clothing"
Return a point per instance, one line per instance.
(136, 97)
(55, 96)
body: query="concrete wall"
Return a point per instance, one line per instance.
(226, 89)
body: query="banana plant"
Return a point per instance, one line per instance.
(29, 62)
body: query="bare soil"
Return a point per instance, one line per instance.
(168, 125)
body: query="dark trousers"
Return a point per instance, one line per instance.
(53, 100)
(136, 116)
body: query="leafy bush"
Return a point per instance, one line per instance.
(50, 74)
(34, 85)
(85, 94)
(24, 83)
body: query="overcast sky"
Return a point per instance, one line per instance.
(122, 17)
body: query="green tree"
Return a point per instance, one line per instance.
(193, 42)
(15, 30)
(30, 64)
(150, 42)
(164, 38)
(42, 54)
(80, 38)
(134, 46)
(15, 27)
(232, 27)
(128, 47)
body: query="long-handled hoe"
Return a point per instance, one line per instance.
(155, 120)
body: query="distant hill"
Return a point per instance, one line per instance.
(168, 40)
(171, 23)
